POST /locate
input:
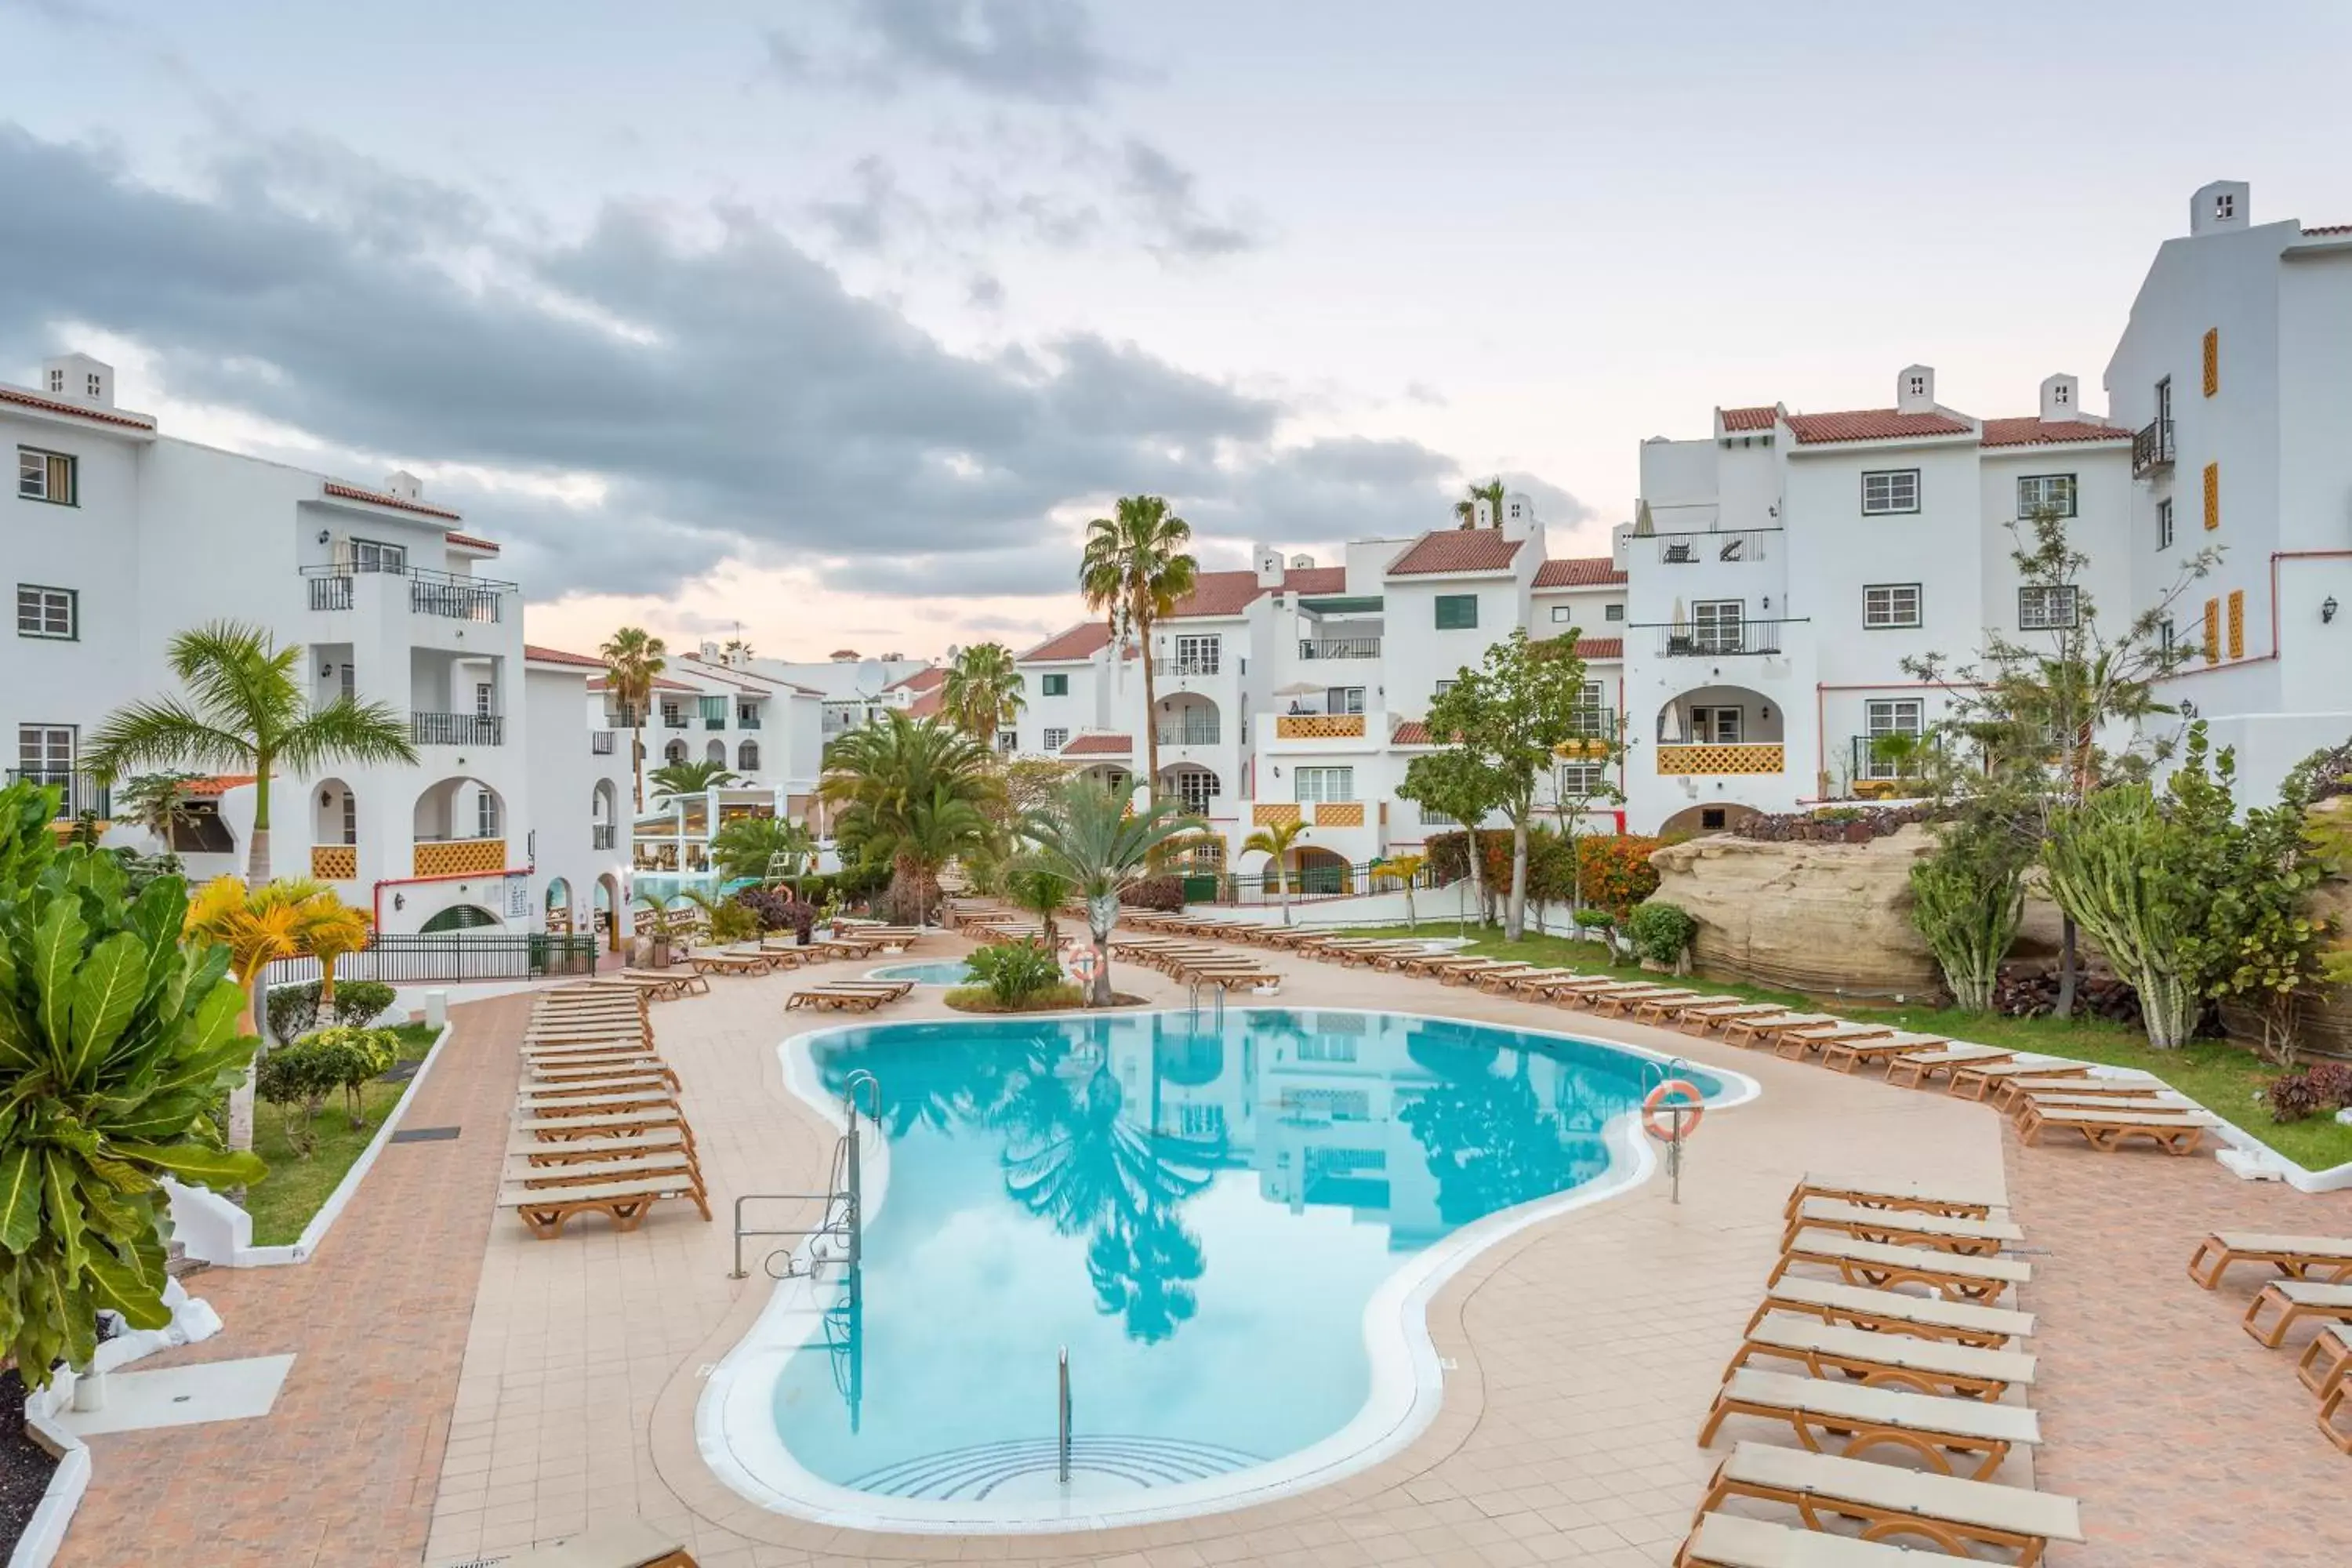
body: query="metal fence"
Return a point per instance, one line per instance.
(457, 728)
(1256, 887)
(454, 957)
(76, 791)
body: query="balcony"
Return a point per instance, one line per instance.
(1731, 544)
(335, 862)
(459, 857)
(2152, 447)
(1720, 760)
(457, 728)
(747, 721)
(78, 792)
(1318, 727)
(331, 593)
(1189, 664)
(1717, 639)
(1191, 734)
(1339, 648)
(603, 836)
(430, 593)
(1889, 769)
(600, 742)
(1274, 813)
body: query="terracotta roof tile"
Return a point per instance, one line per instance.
(1230, 593)
(1411, 732)
(928, 705)
(378, 498)
(2032, 431)
(1762, 418)
(1099, 746)
(214, 786)
(1873, 425)
(469, 542)
(1600, 647)
(1579, 571)
(557, 656)
(2331, 229)
(1082, 641)
(922, 680)
(55, 405)
(1458, 549)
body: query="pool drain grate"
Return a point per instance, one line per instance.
(423, 1134)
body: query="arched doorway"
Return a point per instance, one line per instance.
(461, 917)
(1313, 870)
(334, 832)
(716, 752)
(675, 752)
(607, 899)
(460, 826)
(603, 817)
(747, 757)
(559, 905)
(1694, 821)
(1198, 787)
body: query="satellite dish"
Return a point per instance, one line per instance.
(870, 677)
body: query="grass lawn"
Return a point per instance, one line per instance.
(2224, 1077)
(282, 1204)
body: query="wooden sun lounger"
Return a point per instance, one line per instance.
(1896, 1312)
(1892, 1501)
(537, 1091)
(1847, 1053)
(534, 1108)
(628, 1003)
(1621, 1004)
(1926, 1425)
(673, 1164)
(2293, 1301)
(1226, 979)
(1705, 1018)
(1470, 975)
(1762, 1031)
(629, 1543)
(602, 1071)
(2326, 1360)
(1546, 983)
(1735, 1541)
(666, 983)
(1667, 1010)
(649, 1118)
(1885, 1361)
(1591, 992)
(2323, 1257)
(1915, 1069)
(850, 946)
(1953, 1198)
(836, 998)
(2010, 1089)
(1976, 1081)
(2168, 1105)
(1944, 1233)
(614, 1053)
(1432, 962)
(626, 1203)
(2180, 1133)
(601, 1146)
(1797, 1043)
(1958, 1276)
(718, 961)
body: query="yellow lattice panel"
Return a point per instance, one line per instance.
(1339, 814)
(2212, 360)
(1588, 747)
(1274, 813)
(2213, 495)
(2213, 631)
(1320, 727)
(461, 857)
(334, 862)
(1681, 761)
(2237, 623)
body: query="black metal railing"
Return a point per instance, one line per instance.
(600, 742)
(331, 593)
(1255, 887)
(77, 791)
(457, 728)
(2152, 446)
(603, 836)
(1722, 544)
(430, 593)
(1715, 640)
(1190, 734)
(451, 956)
(1899, 756)
(1339, 648)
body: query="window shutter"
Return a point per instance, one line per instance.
(2237, 623)
(2213, 631)
(2213, 495)
(2212, 360)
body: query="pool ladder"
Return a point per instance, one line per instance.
(838, 1237)
(1217, 996)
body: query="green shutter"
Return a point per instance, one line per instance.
(1057, 686)
(1458, 611)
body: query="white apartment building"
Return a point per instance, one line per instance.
(118, 537)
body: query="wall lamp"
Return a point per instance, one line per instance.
(2327, 609)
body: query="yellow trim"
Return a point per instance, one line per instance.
(2212, 360)
(2213, 495)
(2213, 631)
(2237, 623)
(1683, 762)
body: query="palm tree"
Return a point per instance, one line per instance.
(633, 661)
(691, 778)
(1465, 511)
(248, 712)
(1276, 839)
(763, 848)
(1035, 888)
(329, 928)
(737, 647)
(1134, 571)
(258, 925)
(1406, 869)
(1089, 838)
(983, 689)
(898, 782)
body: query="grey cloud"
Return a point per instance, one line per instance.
(1174, 221)
(875, 214)
(1554, 505)
(984, 291)
(1036, 52)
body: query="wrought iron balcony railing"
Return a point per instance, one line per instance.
(2152, 447)
(77, 791)
(457, 728)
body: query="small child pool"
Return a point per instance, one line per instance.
(935, 972)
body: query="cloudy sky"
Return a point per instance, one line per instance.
(838, 318)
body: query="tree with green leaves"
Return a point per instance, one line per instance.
(1465, 511)
(1033, 885)
(157, 802)
(245, 713)
(763, 849)
(674, 779)
(982, 691)
(1457, 782)
(912, 794)
(1275, 840)
(1090, 838)
(1507, 717)
(1137, 567)
(1405, 871)
(1968, 900)
(116, 1039)
(634, 660)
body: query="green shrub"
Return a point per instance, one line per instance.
(299, 1077)
(1164, 892)
(1061, 994)
(1660, 932)
(1015, 971)
(731, 922)
(293, 1011)
(362, 1001)
(1595, 920)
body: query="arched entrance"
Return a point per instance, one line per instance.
(607, 898)
(675, 752)
(1694, 821)
(334, 832)
(747, 757)
(559, 906)
(1198, 787)
(1313, 870)
(461, 917)
(460, 826)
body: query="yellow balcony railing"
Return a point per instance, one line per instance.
(1684, 762)
(1339, 814)
(1273, 812)
(461, 857)
(1320, 727)
(334, 862)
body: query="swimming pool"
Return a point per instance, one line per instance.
(935, 972)
(1231, 1225)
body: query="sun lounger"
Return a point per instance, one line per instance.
(630, 1543)
(1431, 963)
(666, 983)
(1704, 1019)
(2008, 1090)
(1845, 1055)
(673, 1164)
(1957, 1198)
(1918, 1067)
(1896, 1312)
(1875, 1264)
(574, 1150)
(546, 1209)
(1975, 1080)
(1893, 1503)
(721, 961)
(1885, 1361)
(2169, 1105)
(1667, 1010)
(1943, 1231)
(657, 1116)
(1621, 1004)
(538, 1092)
(1471, 974)
(1543, 984)
(528, 1107)
(1763, 1031)
(1797, 1043)
(1594, 991)
(2292, 1301)
(837, 998)
(1926, 1425)
(2326, 1360)
(2324, 1258)
(2179, 1134)
(602, 1071)
(1733, 1541)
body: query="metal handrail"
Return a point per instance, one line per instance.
(1063, 1406)
(842, 1213)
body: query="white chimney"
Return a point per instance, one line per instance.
(1915, 390)
(1269, 566)
(1302, 563)
(2062, 397)
(709, 652)
(77, 378)
(1483, 515)
(403, 485)
(2220, 208)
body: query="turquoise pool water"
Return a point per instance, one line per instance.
(937, 972)
(1200, 1212)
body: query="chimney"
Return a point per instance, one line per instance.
(1269, 566)
(2062, 397)
(1302, 563)
(709, 652)
(2220, 208)
(404, 486)
(1518, 520)
(77, 378)
(1484, 515)
(1915, 390)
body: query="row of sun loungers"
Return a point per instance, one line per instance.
(1863, 1365)
(597, 1127)
(2315, 1280)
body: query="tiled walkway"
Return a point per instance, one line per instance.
(342, 1472)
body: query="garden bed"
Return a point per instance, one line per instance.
(1062, 999)
(283, 1203)
(25, 1466)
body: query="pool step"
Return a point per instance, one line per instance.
(974, 1472)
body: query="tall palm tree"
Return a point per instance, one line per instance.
(1035, 888)
(633, 661)
(248, 712)
(258, 925)
(1134, 571)
(1276, 839)
(691, 778)
(1088, 838)
(983, 689)
(898, 782)
(1465, 511)
(1405, 871)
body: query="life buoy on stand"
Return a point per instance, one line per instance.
(1657, 1117)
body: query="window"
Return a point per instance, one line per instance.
(482, 698)
(2045, 608)
(2164, 523)
(2213, 495)
(1197, 655)
(57, 382)
(1888, 716)
(714, 711)
(350, 818)
(1713, 819)
(1890, 490)
(1613, 612)
(2237, 623)
(747, 757)
(371, 555)
(2225, 206)
(1458, 611)
(1445, 686)
(1590, 717)
(1008, 741)
(2062, 394)
(2168, 638)
(1581, 781)
(1715, 625)
(48, 612)
(1918, 387)
(1317, 786)
(2038, 493)
(2164, 400)
(1056, 739)
(1196, 787)
(46, 476)
(1343, 700)
(1716, 726)
(45, 753)
(349, 674)
(485, 815)
(2212, 360)
(747, 716)
(94, 387)
(1055, 685)
(1890, 605)
(1561, 614)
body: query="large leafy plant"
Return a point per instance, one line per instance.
(115, 1041)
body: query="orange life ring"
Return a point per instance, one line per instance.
(1662, 1127)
